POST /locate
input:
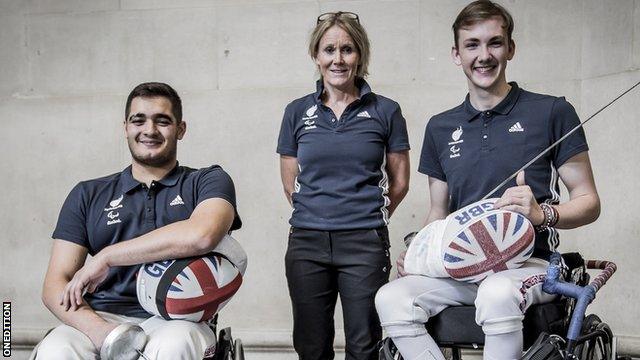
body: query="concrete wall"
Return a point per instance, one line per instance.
(66, 67)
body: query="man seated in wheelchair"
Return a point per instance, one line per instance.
(490, 253)
(151, 213)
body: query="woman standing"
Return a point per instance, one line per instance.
(345, 168)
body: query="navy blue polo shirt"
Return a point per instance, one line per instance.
(342, 183)
(474, 151)
(104, 211)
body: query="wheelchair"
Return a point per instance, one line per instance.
(226, 348)
(553, 331)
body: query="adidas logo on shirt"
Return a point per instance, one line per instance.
(516, 127)
(176, 201)
(364, 114)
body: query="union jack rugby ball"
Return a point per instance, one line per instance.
(480, 241)
(193, 289)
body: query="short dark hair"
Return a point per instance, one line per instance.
(156, 89)
(481, 10)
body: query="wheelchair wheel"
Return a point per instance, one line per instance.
(225, 345)
(388, 350)
(596, 340)
(238, 350)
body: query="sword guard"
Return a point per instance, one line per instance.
(125, 342)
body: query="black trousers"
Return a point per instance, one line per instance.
(319, 266)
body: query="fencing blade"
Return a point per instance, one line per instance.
(556, 143)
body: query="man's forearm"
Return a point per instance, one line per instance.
(173, 241)
(435, 214)
(84, 318)
(198, 235)
(579, 211)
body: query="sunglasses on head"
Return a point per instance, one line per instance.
(332, 15)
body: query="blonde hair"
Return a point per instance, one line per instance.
(355, 31)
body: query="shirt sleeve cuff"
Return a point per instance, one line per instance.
(287, 151)
(432, 173)
(571, 153)
(398, 148)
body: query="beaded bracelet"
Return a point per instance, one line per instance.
(551, 217)
(556, 216)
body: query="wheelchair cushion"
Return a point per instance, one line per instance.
(457, 326)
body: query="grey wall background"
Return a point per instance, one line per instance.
(66, 67)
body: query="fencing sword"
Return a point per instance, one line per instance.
(124, 342)
(556, 143)
(142, 354)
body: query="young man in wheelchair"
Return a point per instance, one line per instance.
(153, 210)
(466, 152)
